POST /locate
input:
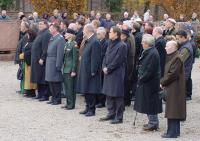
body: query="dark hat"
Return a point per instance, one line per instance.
(126, 32)
(70, 31)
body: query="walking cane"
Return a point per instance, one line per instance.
(135, 119)
(23, 77)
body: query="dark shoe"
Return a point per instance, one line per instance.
(43, 99)
(116, 121)
(133, 98)
(64, 107)
(107, 118)
(37, 97)
(145, 125)
(50, 102)
(90, 114)
(100, 105)
(168, 136)
(188, 98)
(56, 103)
(151, 128)
(83, 112)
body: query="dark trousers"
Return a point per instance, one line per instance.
(55, 88)
(90, 100)
(127, 92)
(69, 88)
(115, 106)
(173, 128)
(189, 87)
(43, 91)
(101, 99)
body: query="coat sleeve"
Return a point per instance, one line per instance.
(95, 57)
(172, 74)
(60, 54)
(118, 59)
(162, 53)
(75, 59)
(27, 55)
(150, 70)
(45, 42)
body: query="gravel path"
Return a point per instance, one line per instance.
(23, 119)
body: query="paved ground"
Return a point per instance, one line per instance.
(23, 119)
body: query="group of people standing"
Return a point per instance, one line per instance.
(110, 64)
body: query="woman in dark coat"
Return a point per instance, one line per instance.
(147, 98)
(114, 65)
(26, 57)
(174, 86)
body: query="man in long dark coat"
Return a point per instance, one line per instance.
(54, 63)
(114, 65)
(160, 44)
(90, 69)
(38, 60)
(101, 36)
(147, 97)
(138, 50)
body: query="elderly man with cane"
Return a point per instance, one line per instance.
(147, 97)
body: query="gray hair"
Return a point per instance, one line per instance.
(90, 28)
(148, 39)
(158, 30)
(102, 30)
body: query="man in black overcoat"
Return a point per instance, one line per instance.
(114, 65)
(38, 60)
(101, 36)
(147, 97)
(89, 77)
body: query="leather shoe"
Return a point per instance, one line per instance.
(107, 118)
(168, 136)
(100, 105)
(37, 97)
(56, 103)
(83, 112)
(63, 107)
(151, 128)
(90, 114)
(116, 121)
(43, 99)
(188, 98)
(50, 102)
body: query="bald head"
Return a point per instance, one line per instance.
(171, 47)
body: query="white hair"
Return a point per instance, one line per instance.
(148, 39)
(89, 28)
(158, 30)
(101, 30)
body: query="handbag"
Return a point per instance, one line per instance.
(19, 74)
